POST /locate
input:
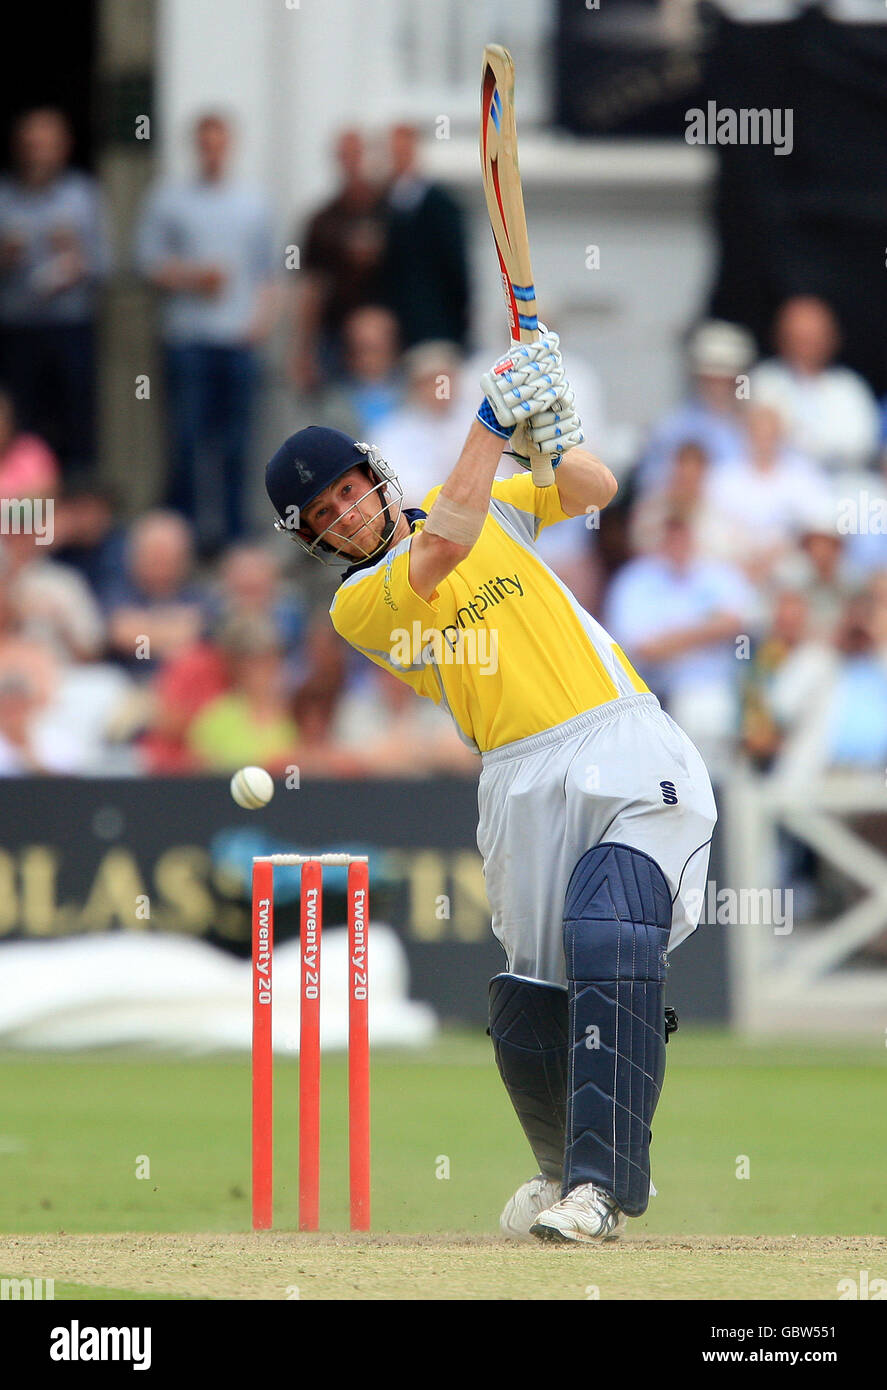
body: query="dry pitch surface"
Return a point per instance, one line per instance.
(282, 1265)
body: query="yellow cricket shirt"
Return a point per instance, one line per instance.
(503, 645)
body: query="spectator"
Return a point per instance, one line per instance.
(423, 439)
(21, 653)
(56, 604)
(861, 516)
(372, 385)
(28, 467)
(876, 587)
(93, 715)
(250, 723)
(53, 257)
(686, 490)
(820, 566)
(207, 246)
(678, 617)
(250, 591)
(788, 629)
(251, 586)
(830, 699)
(425, 274)
(51, 634)
(156, 609)
(831, 412)
(762, 734)
(23, 749)
(767, 495)
(330, 667)
(89, 538)
(30, 683)
(184, 685)
(719, 353)
(391, 734)
(343, 245)
(18, 754)
(195, 679)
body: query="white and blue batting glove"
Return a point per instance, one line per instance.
(487, 417)
(527, 379)
(550, 432)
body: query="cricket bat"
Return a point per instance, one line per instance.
(505, 204)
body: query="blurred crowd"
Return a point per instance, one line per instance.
(751, 579)
(743, 566)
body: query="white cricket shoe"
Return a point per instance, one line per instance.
(528, 1202)
(587, 1214)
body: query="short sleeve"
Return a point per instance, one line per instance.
(529, 508)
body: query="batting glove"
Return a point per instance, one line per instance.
(527, 379)
(550, 432)
(487, 417)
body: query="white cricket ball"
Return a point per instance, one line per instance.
(252, 787)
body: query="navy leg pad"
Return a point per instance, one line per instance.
(528, 1026)
(617, 919)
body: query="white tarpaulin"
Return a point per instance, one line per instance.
(177, 992)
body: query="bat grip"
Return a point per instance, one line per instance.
(540, 464)
(543, 473)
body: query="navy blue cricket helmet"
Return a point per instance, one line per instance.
(307, 463)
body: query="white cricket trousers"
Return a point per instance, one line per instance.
(623, 772)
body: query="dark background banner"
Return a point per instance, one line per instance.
(618, 71)
(174, 856)
(810, 222)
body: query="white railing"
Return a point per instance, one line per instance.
(801, 976)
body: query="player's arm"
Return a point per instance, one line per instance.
(432, 557)
(582, 482)
(158, 260)
(519, 386)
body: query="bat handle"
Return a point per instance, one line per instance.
(540, 464)
(543, 473)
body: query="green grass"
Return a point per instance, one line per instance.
(810, 1119)
(94, 1293)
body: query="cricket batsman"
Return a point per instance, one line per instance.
(595, 810)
